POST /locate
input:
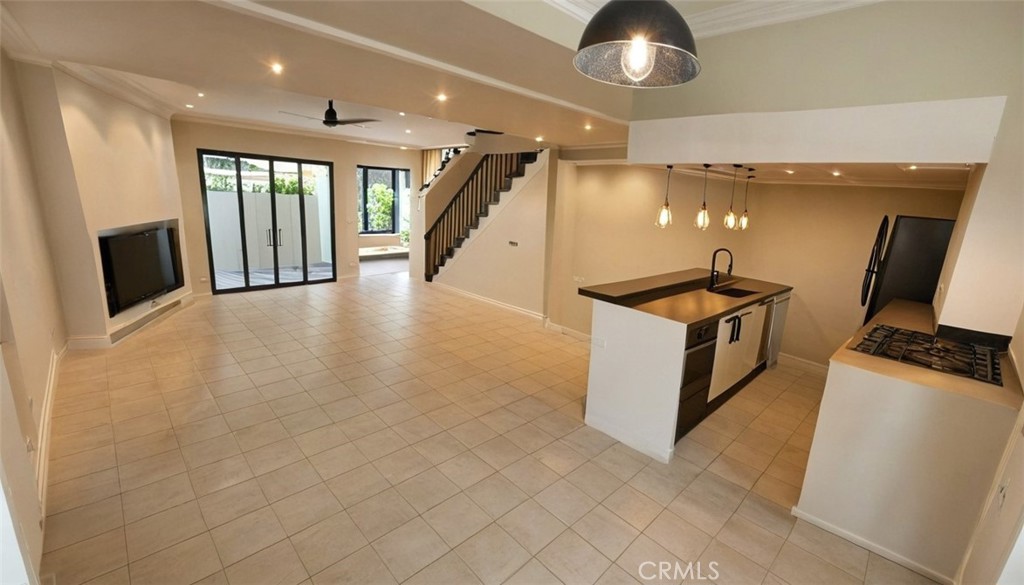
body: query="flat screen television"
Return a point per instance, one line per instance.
(139, 266)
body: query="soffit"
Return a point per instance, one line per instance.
(947, 177)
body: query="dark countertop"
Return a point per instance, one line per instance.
(683, 296)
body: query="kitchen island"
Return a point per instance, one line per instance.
(903, 456)
(655, 371)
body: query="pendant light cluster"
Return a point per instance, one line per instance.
(702, 222)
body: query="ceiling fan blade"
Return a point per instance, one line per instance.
(299, 115)
(355, 121)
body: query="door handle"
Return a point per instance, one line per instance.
(279, 238)
(268, 238)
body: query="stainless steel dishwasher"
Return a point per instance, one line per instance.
(697, 364)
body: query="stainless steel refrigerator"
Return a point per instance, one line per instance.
(910, 267)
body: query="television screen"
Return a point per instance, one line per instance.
(140, 266)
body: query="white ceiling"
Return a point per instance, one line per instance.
(505, 65)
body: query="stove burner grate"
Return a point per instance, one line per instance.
(924, 350)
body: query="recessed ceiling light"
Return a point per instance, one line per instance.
(587, 127)
(441, 97)
(539, 139)
(201, 94)
(912, 167)
(277, 68)
(404, 147)
(789, 172)
(401, 113)
(407, 131)
(189, 106)
(836, 173)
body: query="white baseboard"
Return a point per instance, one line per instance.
(89, 342)
(875, 548)
(791, 361)
(565, 330)
(43, 440)
(488, 300)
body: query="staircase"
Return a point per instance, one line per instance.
(492, 176)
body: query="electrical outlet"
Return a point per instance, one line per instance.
(203, 279)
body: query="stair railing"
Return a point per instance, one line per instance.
(492, 175)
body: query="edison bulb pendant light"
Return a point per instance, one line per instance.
(703, 220)
(745, 218)
(731, 221)
(665, 214)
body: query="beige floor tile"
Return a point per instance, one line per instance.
(493, 555)
(201, 430)
(882, 571)
(529, 437)
(181, 564)
(151, 469)
(532, 526)
(300, 511)
(679, 537)
(621, 461)
(633, 507)
(777, 491)
(751, 540)
(708, 502)
(248, 416)
(560, 457)
(447, 569)
(731, 566)
(738, 473)
(381, 514)
(337, 460)
(380, 443)
(660, 486)
(616, 576)
(465, 469)
(84, 440)
(426, 490)
(288, 480)
(80, 491)
(354, 486)
(225, 505)
(530, 475)
(409, 548)
(306, 420)
(440, 448)
(499, 452)
(82, 523)
(786, 472)
(456, 519)
(86, 559)
(216, 476)
(273, 456)
(799, 567)
(637, 559)
(767, 515)
(274, 565)
(146, 446)
(115, 577)
(238, 400)
(605, 531)
(363, 566)
(327, 542)
(496, 495)
(159, 531)
(401, 465)
(320, 439)
(825, 545)
(209, 451)
(567, 502)
(83, 463)
(573, 560)
(260, 435)
(247, 534)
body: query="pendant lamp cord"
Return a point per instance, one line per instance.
(668, 183)
(732, 198)
(704, 203)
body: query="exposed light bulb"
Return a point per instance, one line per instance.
(703, 220)
(638, 59)
(664, 217)
(730, 220)
(744, 221)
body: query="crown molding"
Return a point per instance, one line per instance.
(306, 25)
(741, 15)
(118, 87)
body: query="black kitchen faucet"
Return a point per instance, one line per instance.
(714, 273)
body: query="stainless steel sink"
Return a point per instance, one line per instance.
(736, 293)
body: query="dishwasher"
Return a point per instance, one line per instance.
(697, 364)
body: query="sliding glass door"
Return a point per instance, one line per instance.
(269, 220)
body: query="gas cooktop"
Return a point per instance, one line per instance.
(927, 351)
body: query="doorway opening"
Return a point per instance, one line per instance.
(383, 217)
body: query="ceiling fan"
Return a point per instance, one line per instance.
(331, 117)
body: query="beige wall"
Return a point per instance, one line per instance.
(32, 329)
(190, 136)
(814, 238)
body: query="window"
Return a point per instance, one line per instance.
(382, 196)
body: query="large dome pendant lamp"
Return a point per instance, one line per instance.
(665, 214)
(638, 43)
(703, 220)
(731, 221)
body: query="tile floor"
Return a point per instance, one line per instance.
(378, 430)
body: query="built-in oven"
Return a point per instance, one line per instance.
(696, 379)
